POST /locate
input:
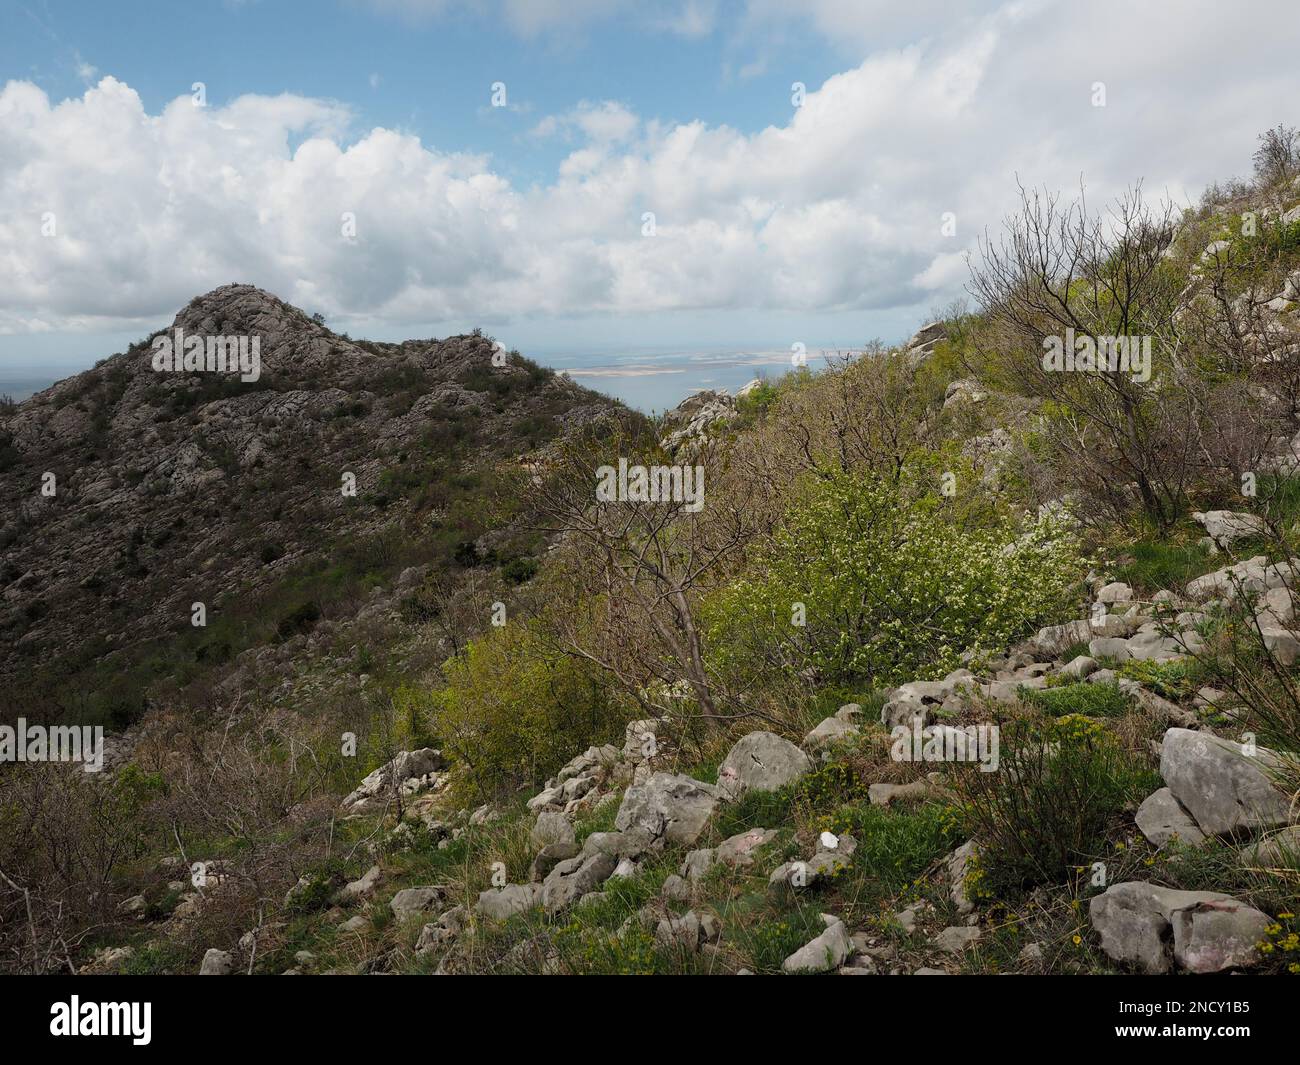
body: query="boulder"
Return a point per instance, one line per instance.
(438, 933)
(885, 794)
(1281, 850)
(1223, 528)
(739, 849)
(1283, 644)
(411, 902)
(761, 761)
(675, 888)
(1080, 667)
(1208, 931)
(831, 731)
(217, 963)
(1162, 818)
(1115, 592)
(689, 931)
(500, 903)
(630, 844)
(551, 827)
(359, 889)
(697, 863)
(1054, 639)
(1249, 576)
(670, 808)
(1109, 647)
(958, 863)
(827, 951)
(1224, 789)
(572, 879)
(549, 857)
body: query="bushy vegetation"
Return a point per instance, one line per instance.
(869, 584)
(513, 710)
(1062, 785)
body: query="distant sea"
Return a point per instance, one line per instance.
(650, 381)
(657, 381)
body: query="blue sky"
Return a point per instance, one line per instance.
(775, 223)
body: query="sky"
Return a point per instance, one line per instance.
(586, 180)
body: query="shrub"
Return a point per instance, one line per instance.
(513, 710)
(519, 570)
(1062, 784)
(893, 586)
(301, 619)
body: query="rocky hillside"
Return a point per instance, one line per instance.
(130, 494)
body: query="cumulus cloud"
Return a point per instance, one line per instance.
(840, 206)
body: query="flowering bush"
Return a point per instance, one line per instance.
(868, 582)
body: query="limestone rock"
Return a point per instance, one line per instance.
(761, 761)
(1224, 789)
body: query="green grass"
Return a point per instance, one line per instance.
(1091, 700)
(1157, 565)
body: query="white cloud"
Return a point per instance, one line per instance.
(604, 123)
(838, 207)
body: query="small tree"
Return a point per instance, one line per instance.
(1061, 274)
(1277, 159)
(634, 568)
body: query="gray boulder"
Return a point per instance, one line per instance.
(551, 827)
(1054, 639)
(830, 732)
(1281, 850)
(1224, 789)
(217, 963)
(739, 849)
(572, 879)
(1138, 923)
(500, 903)
(411, 902)
(360, 888)
(549, 857)
(1223, 528)
(670, 808)
(761, 761)
(828, 951)
(1161, 818)
(689, 931)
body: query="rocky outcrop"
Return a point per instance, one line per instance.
(923, 342)
(410, 772)
(689, 423)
